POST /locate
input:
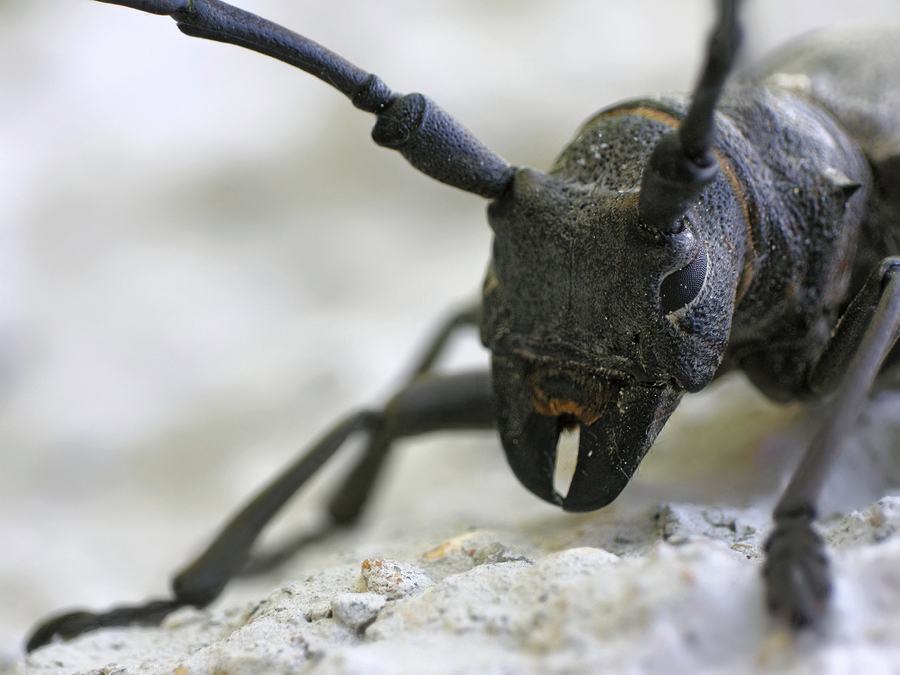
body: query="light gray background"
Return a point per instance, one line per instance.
(204, 260)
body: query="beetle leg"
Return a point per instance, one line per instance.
(428, 402)
(202, 581)
(351, 496)
(435, 403)
(796, 568)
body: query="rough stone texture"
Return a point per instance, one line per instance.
(357, 610)
(393, 579)
(688, 607)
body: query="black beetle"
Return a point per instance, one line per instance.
(693, 243)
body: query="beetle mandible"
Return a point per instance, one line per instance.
(675, 239)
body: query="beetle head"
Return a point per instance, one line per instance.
(596, 320)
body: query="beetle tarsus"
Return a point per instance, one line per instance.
(797, 573)
(73, 624)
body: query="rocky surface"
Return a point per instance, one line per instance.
(691, 603)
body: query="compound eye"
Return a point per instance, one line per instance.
(680, 287)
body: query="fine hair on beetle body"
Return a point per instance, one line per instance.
(549, 389)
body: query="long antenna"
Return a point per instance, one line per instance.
(683, 162)
(430, 139)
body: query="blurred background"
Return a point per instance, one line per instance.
(204, 260)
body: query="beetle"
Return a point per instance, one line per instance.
(707, 234)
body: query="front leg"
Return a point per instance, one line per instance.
(427, 402)
(796, 568)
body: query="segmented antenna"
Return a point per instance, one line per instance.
(431, 140)
(683, 162)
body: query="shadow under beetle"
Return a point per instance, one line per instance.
(748, 227)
